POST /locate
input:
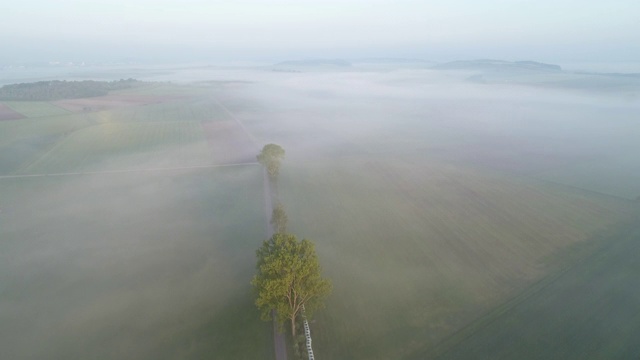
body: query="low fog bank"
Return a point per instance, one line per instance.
(577, 137)
(157, 265)
(141, 265)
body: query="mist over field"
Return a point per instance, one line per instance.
(467, 172)
(129, 222)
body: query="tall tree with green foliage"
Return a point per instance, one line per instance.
(271, 156)
(288, 278)
(279, 219)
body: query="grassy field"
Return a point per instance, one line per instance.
(131, 265)
(429, 211)
(586, 312)
(163, 134)
(426, 206)
(24, 141)
(417, 250)
(33, 109)
(124, 146)
(127, 265)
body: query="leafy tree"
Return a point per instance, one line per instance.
(271, 156)
(288, 278)
(279, 219)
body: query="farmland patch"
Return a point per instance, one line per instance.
(587, 312)
(108, 102)
(7, 113)
(132, 265)
(418, 249)
(33, 109)
(228, 142)
(125, 146)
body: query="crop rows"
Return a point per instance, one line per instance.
(36, 109)
(119, 146)
(416, 250)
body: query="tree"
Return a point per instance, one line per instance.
(288, 278)
(271, 156)
(279, 219)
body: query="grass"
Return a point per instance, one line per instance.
(201, 109)
(420, 234)
(161, 89)
(586, 312)
(132, 265)
(36, 109)
(124, 146)
(418, 249)
(427, 214)
(144, 264)
(598, 175)
(155, 135)
(26, 140)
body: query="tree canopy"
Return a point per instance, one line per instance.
(279, 219)
(271, 156)
(288, 278)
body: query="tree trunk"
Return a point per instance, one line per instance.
(293, 328)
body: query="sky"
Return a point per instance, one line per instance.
(439, 30)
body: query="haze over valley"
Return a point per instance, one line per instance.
(467, 194)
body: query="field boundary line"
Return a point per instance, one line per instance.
(52, 103)
(54, 146)
(601, 244)
(244, 128)
(130, 170)
(583, 189)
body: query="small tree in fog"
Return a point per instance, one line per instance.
(289, 278)
(279, 219)
(271, 156)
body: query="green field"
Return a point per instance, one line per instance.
(109, 253)
(34, 109)
(417, 250)
(429, 214)
(586, 312)
(124, 146)
(126, 234)
(164, 134)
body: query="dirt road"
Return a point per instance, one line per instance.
(279, 341)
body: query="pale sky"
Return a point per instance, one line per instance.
(569, 30)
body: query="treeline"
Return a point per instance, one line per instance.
(62, 89)
(289, 284)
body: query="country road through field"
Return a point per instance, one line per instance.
(279, 341)
(127, 171)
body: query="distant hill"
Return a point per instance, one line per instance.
(305, 65)
(357, 64)
(498, 65)
(392, 61)
(389, 63)
(316, 62)
(532, 73)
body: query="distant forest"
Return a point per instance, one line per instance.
(57, 89)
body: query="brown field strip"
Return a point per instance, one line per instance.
(6, 113)
(229, 142)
